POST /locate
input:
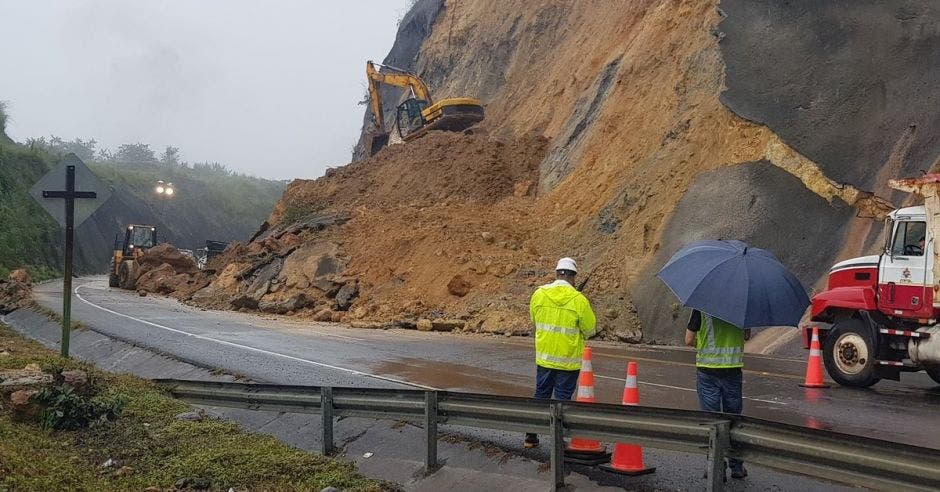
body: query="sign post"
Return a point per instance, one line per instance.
(69, 172)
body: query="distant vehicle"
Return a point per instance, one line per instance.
(137, 240)
(418, 114)
(884, 308)
(205, 255)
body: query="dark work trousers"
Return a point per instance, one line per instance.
(563, 383)
(720, 390)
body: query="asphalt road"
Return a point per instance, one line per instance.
(282, 350)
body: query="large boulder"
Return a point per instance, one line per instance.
(20, 275)
(291, 304)
(13, 295)
(167, 254)
(346, 295)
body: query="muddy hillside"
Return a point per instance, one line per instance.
(615, 132)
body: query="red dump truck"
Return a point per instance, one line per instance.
(878, 315)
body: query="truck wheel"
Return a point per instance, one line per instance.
(113, 280)
(128, 275)
(933, 370)
(849, 354)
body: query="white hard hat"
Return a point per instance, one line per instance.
(567, 264)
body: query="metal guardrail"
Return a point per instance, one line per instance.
(822, 454)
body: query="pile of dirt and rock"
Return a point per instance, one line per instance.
(164, 270)
(440, 168)
(15, 292)
(342, 247)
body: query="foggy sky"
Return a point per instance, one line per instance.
(267, 88)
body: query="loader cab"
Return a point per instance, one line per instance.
(138, 238)
(905, 269)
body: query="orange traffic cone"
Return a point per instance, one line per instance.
(586, 451)
(814, 370)
(628, 458)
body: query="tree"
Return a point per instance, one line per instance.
(4, 116)
(170, 156)
(137, 153)
(84, 149)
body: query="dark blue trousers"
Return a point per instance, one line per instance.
(562, 383)
(720, 390)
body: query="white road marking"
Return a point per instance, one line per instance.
(246, 347)
(684, 389)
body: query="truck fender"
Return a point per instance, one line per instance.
(826, 305)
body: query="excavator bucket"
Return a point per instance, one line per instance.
(375, 142)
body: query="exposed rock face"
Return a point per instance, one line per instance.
(614, 134)
(769, 206)
(847, 87)
(413, 29)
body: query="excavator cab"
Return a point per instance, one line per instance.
(410, 117)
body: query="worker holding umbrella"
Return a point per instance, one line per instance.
(730, 287)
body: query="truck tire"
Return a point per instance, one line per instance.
(849, 354)
(933, 370)
(113, 280)
(127, 275)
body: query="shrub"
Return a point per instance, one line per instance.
(66, 409)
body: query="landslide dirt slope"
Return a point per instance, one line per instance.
(666, 121)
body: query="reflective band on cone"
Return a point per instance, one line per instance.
(628, 458)
(586, 451)
(814, 370)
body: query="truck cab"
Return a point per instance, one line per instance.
(879, 311)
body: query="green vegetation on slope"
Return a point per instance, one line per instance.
(158, 449)
(211, 202)
(28, 236)
(219, 194)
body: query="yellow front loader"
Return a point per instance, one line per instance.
(137, 240)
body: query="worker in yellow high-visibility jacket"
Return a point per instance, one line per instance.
(563, 321)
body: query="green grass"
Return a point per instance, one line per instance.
(208, 194)
(28, 236)
(159, 449)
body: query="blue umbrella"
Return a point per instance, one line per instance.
(744, 286)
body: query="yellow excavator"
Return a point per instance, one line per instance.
(418, 114)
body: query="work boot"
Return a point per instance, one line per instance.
(531, 441)
(738, 471)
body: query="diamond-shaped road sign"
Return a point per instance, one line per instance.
(85, 181)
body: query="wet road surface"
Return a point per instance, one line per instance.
(277, 349)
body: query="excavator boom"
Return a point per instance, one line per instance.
(394, 77)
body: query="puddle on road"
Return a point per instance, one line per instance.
(458, 377)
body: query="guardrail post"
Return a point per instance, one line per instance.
(558, 447)
(326, 411)
(719, 440)
(430, 426)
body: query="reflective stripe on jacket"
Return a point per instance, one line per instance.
(719, 344)
(563, 320)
